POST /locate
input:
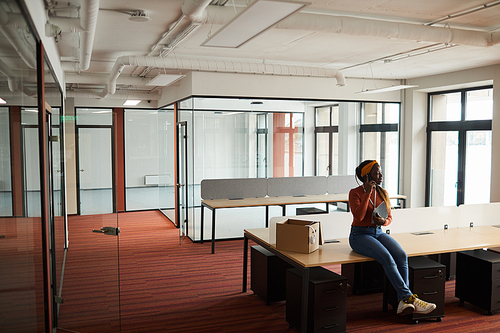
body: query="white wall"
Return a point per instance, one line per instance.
(273, 86)
(37, 12)
(415, 113)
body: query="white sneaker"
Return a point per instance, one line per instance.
(422, 306)
(405, 308)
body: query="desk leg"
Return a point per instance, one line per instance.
(327, 208)
(284, 210)
(404, 203)
(245, 262)
(213, 231)
(305, 299)
(202, 220)
(267, 216)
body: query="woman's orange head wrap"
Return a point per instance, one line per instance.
(367, 168)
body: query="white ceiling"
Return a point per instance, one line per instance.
(354, 54)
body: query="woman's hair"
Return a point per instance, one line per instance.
(379, 189)
(360, 168)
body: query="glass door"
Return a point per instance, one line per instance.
(95, 171)
(182, 177)
(91, 290)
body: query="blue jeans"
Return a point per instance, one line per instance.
(373, 242)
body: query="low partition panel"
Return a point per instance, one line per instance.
(237, 188)
(423, 219)
(341, 184)
(296, 186)
(479, 214)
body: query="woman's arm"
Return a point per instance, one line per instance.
(358, 204)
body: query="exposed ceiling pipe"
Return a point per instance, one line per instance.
(9, 25)
(13, 81)
(217, 66)
(120, 95)
(194, 10)
(88, 14)
(99, 79)
(86, 26)
(368, 27)
(82, 94)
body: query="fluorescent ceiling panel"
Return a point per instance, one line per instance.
(255, 19)
(132, 102)
(164, 80)
(3, 101)
(391, 88)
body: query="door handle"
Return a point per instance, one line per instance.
(180, 185)
(108, 231)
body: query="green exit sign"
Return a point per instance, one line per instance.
(69, 118)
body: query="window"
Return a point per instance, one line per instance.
(379, 140)
(327, 140)
(459, 147)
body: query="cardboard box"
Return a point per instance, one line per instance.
(298, 236)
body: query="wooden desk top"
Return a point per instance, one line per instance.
(284, 200)
(438, 241)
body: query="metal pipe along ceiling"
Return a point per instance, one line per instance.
(217, 66)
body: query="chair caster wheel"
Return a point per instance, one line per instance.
(439, 319)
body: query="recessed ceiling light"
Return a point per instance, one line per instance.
(255, 19)
(3, 101)
(164, 80)
(132, 102)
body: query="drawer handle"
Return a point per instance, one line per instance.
(431, 277)
(430, 293)
(330, 326)
(331, 291)
(331, 309)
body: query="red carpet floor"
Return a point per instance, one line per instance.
(167, 287)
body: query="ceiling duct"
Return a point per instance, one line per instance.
(217, 66)
(367, 27)
(85, 26)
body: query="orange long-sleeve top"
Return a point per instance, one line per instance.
(362, 208)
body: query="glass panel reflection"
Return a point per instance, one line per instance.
(478, 167)
(446, 107)
(444, 168)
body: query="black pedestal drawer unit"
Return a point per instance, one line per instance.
(268, 274)
(427, 280)
(364, 277)
(326, 310)
(478, 279)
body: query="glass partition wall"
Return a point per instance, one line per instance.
(238, 138)
(30, 276)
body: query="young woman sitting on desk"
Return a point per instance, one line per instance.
(367, 237)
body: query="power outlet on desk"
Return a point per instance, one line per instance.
(471, 224)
